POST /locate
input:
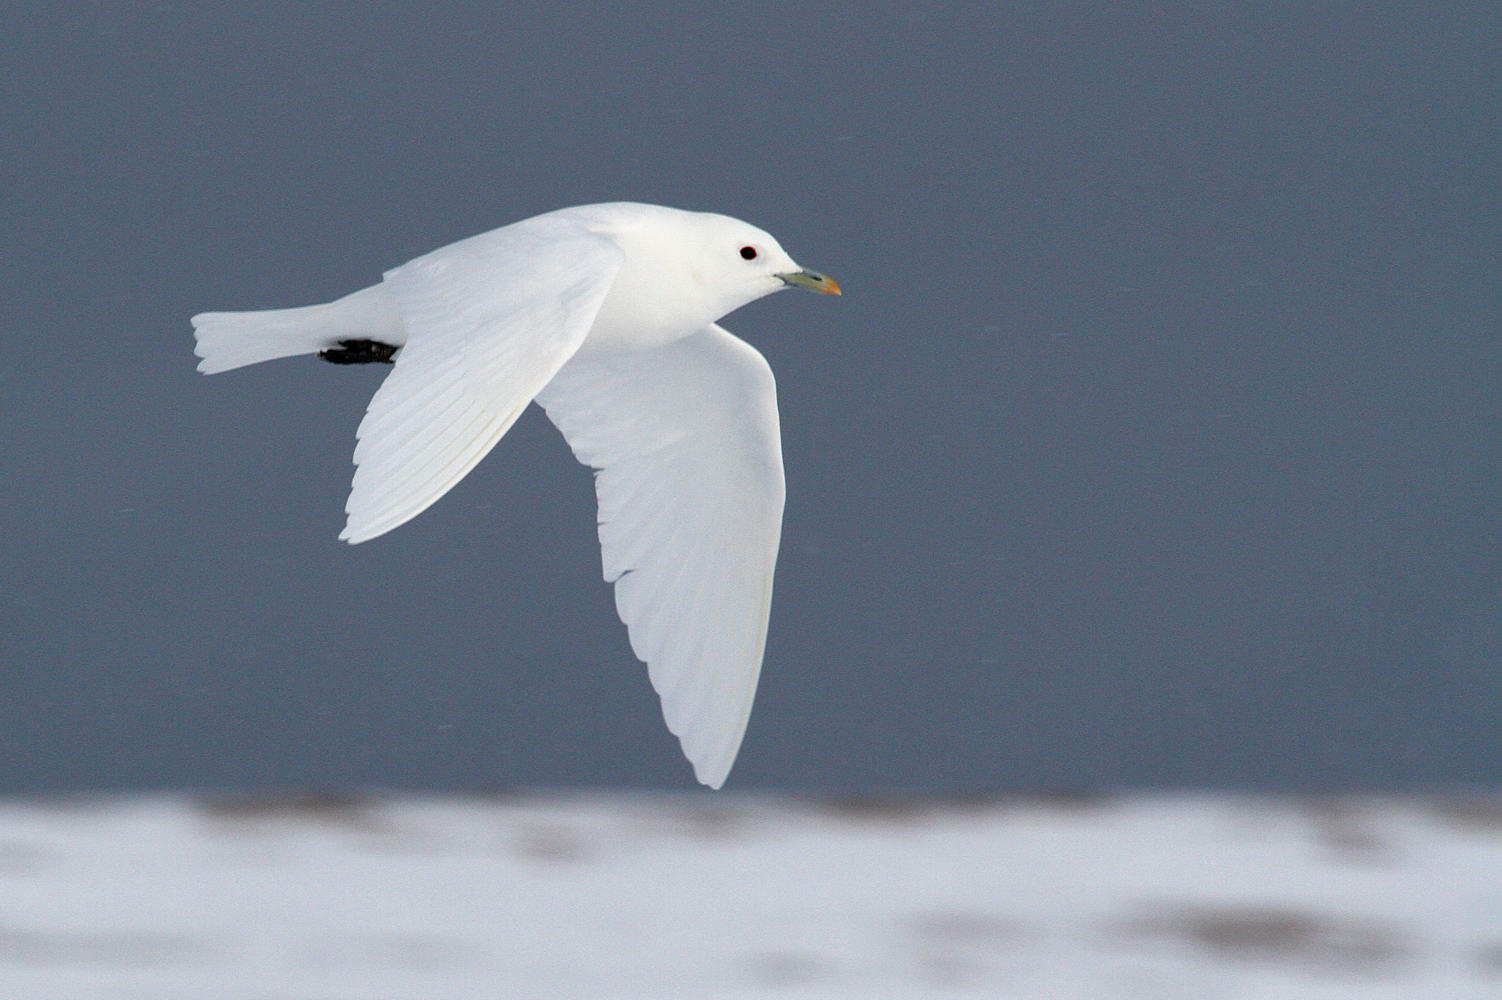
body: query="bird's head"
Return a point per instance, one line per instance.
(745, 263)
(714, 263)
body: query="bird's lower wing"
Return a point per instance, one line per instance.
(684, 441)
(489, 321)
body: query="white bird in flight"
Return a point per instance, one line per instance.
(605, 316)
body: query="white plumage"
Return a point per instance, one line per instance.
(605, 315)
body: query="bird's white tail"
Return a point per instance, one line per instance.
(234, 339)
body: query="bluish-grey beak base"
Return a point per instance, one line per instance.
(813, 281)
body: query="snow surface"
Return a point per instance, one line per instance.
(337, 898)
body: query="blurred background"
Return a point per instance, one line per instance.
(1152, 446)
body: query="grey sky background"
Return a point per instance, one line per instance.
(1154, 442)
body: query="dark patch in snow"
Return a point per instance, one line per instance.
(947, 969)
(711, 823)
(783, 969)
(101, 948)
(1489, 959)
(1347, 827)
(718, 822)
(1255, 933)
(21, 859)
(345, 809)
(900, 808)
(407, 952)
(953, 945)
(878, 808)
(968, 927)
(1481, 814)
(550, 843)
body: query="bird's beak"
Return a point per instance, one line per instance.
(811, 280)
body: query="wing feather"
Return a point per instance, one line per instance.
(684, 441)
(489, 321)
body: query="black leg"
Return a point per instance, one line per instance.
(360, 352)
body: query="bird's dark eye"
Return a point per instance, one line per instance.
(748, 253)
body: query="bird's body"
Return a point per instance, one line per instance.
(605, 315)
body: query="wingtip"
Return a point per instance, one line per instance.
(363, 527)
(712, 778)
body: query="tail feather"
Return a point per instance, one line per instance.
(227, 340)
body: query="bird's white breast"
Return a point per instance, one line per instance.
(637, 316)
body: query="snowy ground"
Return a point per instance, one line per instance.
(326, 898)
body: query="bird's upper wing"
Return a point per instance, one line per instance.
(684, 442)
(489, 320)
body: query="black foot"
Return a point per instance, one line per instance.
(360, 352)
